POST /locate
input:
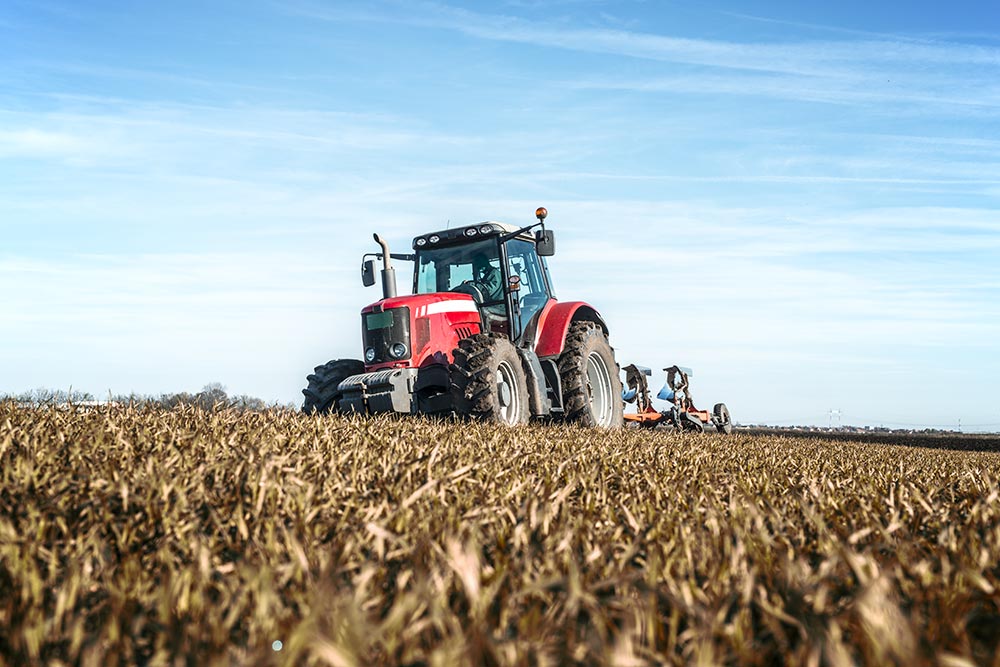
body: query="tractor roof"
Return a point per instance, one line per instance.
(466, 234)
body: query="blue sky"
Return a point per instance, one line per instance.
(801, 201)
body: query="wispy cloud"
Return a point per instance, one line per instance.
(33, 143)
(163, 75)
(930, 93)
(868, 34)
(809, 58)
(875, 69)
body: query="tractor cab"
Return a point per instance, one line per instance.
(502, 267)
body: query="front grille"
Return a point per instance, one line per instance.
(421, 334)
(463, 332)
(380, 330)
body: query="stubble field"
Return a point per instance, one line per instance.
(152, 536)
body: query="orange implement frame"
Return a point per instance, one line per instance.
(702, 415)
(647, 417)
(650, 416)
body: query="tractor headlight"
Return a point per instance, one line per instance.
(471, 231)
(397, 350)
(421, 242)
(486, 229)
(370, 355)
(434, 238)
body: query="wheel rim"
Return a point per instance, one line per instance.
(508, 396)
(599, 389)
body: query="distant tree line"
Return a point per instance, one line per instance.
(211, 396)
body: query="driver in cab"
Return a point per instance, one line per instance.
(487, 278)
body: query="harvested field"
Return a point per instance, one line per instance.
(181, 536)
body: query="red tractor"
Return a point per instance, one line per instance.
(482, 335)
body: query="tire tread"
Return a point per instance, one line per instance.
(321, 394)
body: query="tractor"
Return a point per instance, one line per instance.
(482, 336)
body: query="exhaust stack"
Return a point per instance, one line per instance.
(388, 273)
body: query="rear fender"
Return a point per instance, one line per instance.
(555, 321)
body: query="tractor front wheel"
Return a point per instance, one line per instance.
(591, 388)
(321, 393)
(488, 381)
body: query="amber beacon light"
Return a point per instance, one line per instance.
(540, 213)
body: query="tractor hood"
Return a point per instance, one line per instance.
(439, 302)
(414, 331)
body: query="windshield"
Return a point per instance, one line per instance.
(444, 269)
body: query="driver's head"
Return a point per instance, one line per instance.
(480, 263)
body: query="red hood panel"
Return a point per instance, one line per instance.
(416, 301)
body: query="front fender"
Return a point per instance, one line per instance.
(555, 321)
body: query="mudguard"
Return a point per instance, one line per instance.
(554, 323)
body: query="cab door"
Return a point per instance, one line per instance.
(528, 291)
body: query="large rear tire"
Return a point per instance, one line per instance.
(591, 386)
(321, 393)
(720, 417)
(488, 381)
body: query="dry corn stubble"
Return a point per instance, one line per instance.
(151, 536)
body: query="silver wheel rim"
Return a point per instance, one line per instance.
(508, 396)
(599, 390)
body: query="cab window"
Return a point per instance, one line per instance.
(524, 263)
(444, 269)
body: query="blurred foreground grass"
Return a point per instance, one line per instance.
(152, 536)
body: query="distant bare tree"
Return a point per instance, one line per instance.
(212, 396)
(132, 398)
(244, 402)
(45, 396)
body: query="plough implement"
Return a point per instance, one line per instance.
(682, 415)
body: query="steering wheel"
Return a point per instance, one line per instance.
(472, 289)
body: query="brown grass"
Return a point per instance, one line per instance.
(191, 537)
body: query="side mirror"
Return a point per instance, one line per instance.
(368, 273)
(545, 242)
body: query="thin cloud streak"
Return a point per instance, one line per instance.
(933, 94)
(824, 58)
(916, 75)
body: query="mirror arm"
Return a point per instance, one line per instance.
(395, 255)
(510, 235)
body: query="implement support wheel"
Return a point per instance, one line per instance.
(721, 419)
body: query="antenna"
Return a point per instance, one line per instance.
(832, 414)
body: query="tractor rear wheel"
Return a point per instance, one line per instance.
(591, 387)
(321, 393)
(488, 381)
(721, 419)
